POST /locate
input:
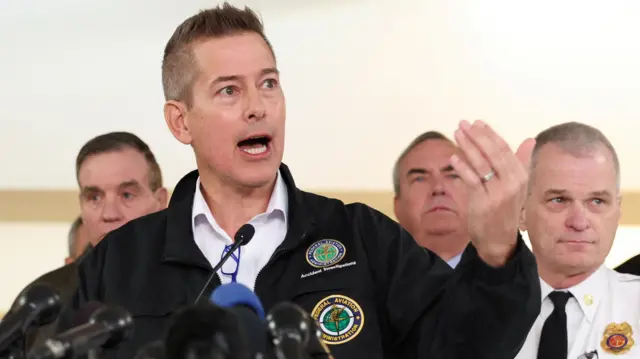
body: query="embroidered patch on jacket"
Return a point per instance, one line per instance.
(617, 338)
(325, 252)
(340, 319)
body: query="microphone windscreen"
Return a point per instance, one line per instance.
(254, 330)
(153, 350)
(235, 294)
(206, 325)
(83, 314)
(42, 301)
(244, 234)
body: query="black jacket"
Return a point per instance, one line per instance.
(631, 266)
(388, 297)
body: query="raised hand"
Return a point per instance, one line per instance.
(497, 180)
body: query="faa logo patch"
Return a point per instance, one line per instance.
(325, 253)
(340, 319)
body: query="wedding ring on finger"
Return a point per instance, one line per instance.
(486, 178)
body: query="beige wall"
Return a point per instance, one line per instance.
(62, 206)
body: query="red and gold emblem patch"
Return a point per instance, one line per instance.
(617, 338)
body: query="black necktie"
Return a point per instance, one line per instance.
(553, 340)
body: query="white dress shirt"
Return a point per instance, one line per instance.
(453, 262)
(605, 298)
(271, 228)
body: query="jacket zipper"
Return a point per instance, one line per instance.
(273, 258)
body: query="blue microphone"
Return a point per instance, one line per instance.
(237, 295)
(249, 311)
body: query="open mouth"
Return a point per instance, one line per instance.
(255, 145)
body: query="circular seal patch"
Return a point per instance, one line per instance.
(340, 319)
(325, 253)
(617, 341)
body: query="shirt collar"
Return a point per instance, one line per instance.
(588, 293)
(278, 203)
(453, 262)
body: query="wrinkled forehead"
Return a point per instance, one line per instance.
(431, 154)
(242, 55)
(111, 170)
(578, 171)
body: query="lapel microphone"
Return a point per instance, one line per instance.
(242, 237)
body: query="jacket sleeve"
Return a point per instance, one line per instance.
(89, 272)
(434, 312)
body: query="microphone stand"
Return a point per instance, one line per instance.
(226, 256)
(242, 237)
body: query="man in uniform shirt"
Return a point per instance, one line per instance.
(374, 291)
(430, 198)
(571, 216)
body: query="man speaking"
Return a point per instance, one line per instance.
(373, 290)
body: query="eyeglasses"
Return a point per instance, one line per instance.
(591, 355)
(230, 263)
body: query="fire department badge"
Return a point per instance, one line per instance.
(617, 338)
(340, 319)
(325, 253)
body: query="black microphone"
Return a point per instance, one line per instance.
(36, 306)
(206, 331)
(153, 350)
(317, 348)
(294, 333)
(242, 237)
(245, 304)
(104, 327)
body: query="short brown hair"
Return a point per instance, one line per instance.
(427, 136)
(577, 139)
(179, 66)
(117, 141)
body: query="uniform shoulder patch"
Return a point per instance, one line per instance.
(325, 253)
(340, 319)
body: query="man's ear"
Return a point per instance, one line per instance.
(162, 196)
(175, 115)
(523, 219)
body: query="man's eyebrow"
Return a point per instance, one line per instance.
(602, 193)
(228, 78)
(414, 171)
(130, 183)
(90, 189)
(555, 192)
(270, 70)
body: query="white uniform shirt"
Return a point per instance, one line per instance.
(271, 228)
(604, 299)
